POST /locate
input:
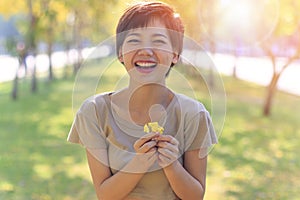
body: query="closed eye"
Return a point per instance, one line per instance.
(159, 42)
(133, 41)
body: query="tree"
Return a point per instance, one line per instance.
(47, 21)
(286, 36)
(29, 27)
(7, 8)
(52, 20)
(209, 15)
(31, 39)
(88, 21)
(11, 47)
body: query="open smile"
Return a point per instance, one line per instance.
(145, 67)
(142, 64)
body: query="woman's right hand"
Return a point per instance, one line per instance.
(146, 144)
(146, 152)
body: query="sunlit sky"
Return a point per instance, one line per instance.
(250, 21)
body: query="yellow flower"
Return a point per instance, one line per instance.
(153, 127)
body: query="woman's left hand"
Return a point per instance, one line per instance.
(168, 150)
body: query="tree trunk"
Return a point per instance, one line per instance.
(32, 42)
(234, 71)
(25, 64)
(270, 94)
(76, 40)
(66, 67)
(49, 52)
(236, 54)
(34, 79)
(14, 93)
(22, 63)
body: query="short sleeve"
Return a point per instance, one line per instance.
(86, 129)
(199, 132)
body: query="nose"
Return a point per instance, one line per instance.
(145, 52)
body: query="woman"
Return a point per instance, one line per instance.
(126, 162)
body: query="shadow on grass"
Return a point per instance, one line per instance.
(258, 156)
(36, 162)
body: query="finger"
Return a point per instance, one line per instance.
(167, 153)
(167, 145)
(153, 157)
(164, 161)
(163, 158)
(149, 136)
(153, 149)
(141, 141)
(151, 153)
(168, 138)
(147, 147)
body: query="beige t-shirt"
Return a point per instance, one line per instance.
(99, 128)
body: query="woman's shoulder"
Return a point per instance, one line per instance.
(95, 102)
(189, 104)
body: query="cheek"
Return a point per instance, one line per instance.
(127, 55)
(166, 57)
(127, 60)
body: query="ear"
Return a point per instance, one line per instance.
(120, 56)
(175, 58)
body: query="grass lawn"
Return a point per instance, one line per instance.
(256, 158)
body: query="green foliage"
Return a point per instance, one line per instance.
(288, 21)
(11, 45)
(36, 161)
(256, 158)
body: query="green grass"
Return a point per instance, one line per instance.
(36, 162)
(256, 158)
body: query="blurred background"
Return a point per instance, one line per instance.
(254, 47)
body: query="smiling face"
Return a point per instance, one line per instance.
(147, 53)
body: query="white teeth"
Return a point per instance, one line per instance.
(145, 64)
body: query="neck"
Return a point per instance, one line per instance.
(143, 97)
(143, 104)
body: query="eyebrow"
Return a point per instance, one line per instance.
(159, 35)
(155, 35)
(133, 34)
